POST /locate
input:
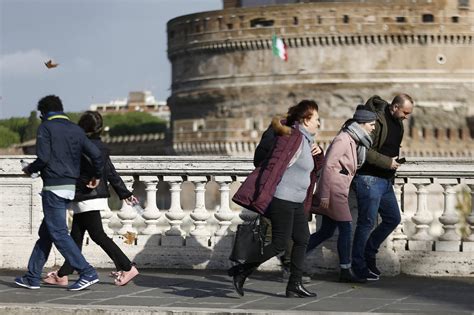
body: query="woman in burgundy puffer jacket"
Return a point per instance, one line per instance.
(281, 189)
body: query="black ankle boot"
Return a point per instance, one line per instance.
(296, 289)
(240, 274)
(347, 275)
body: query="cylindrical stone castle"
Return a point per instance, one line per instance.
(226, 84)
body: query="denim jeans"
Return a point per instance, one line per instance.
(375, 195)
(328, 226)
(53, 229)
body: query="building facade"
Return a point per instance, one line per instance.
(137, 101)
(226, 84)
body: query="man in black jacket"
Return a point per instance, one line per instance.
(373, 184)
(59, 147)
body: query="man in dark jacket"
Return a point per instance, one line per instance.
(373, 184)
(59, 147)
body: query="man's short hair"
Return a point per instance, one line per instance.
(400, 100)
(50, 103)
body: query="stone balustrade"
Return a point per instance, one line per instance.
(189, 218)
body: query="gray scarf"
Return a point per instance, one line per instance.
(362, 138)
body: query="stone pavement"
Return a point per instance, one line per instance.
(211, 292)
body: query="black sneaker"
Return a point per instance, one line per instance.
(371, 276)
(365, 274)
(372, 266)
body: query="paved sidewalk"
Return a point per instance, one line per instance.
(208, 292)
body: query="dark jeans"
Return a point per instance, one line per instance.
(90, 221)
(375, 195)
(288, 222)
(53, 229)
(328, 226)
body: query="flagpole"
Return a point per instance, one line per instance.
(273, 59)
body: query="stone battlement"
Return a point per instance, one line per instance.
(323, 24)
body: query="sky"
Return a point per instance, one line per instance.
(105, 49)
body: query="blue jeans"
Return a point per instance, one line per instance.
(328, 226)
(53, 229)
(375, 195)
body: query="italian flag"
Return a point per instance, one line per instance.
(279, 48)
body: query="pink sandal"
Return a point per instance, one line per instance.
(53, 278)
(126, 276)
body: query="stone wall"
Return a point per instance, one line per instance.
(340, 54)
(189, 219)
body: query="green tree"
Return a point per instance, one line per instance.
(31, 127)
(8, 137)
(133, 123)
(15, 124)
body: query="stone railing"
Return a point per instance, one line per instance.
(189, 219)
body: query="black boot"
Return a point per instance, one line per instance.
(296, 289)
(347, 275)
(240, 274)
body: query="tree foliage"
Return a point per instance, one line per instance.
(8, 137)
(31, 127)
(20, 129)
(133, 123)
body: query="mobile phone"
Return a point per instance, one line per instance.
(401, 160)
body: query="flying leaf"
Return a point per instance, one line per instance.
(50, 64)
(130, 238)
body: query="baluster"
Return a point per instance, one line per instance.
(224, 215)
(246, 215)
(105, 215)
(421, 240)
(468, 244)
(127, 214)
(199, 214)
(399, 189)
(175, 214)
(449, 240)
(152, 213)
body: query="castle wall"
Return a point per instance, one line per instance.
(339, 54)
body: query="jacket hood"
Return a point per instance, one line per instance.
(376, 103)
(279, 127)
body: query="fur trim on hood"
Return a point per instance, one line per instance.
(279, 127)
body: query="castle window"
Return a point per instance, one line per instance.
(427, 18)
(230, 26)
(261, 22)
(455, 19)
(400, 19)
(171, 34)
(295, 20)
(345, 19)
(319, 19)
(463, 4)
(197, 28)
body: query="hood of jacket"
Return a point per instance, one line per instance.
(376, 103)
(278, 125)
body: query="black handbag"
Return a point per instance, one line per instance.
(249, 241)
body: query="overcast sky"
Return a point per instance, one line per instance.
(105, 49)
